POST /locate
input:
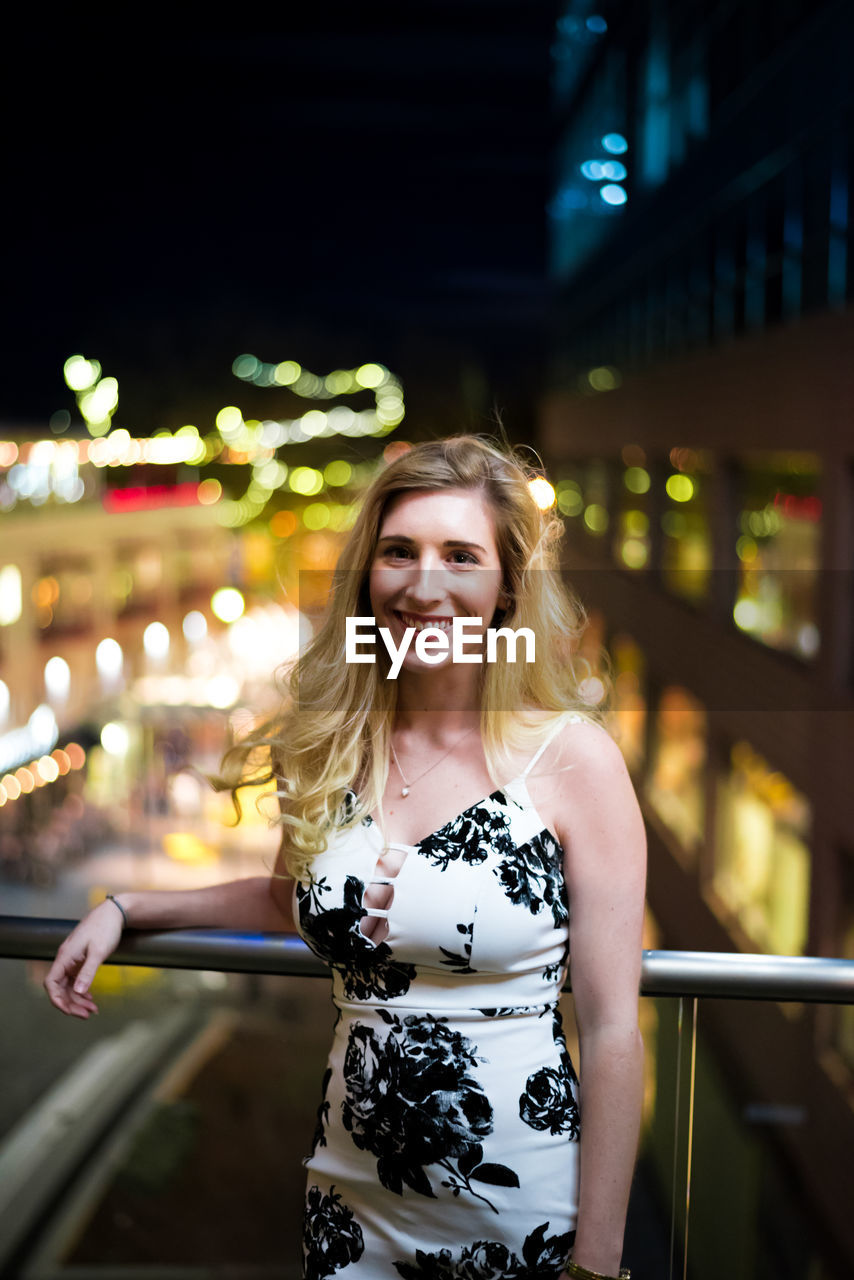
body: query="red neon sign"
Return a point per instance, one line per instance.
(147, 497)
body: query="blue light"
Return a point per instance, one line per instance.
(592, 169)
(615, 143)
(597, 24)
(613, 170)
(611, 193)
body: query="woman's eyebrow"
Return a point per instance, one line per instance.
(449, 542)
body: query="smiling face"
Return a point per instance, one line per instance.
(436, 560)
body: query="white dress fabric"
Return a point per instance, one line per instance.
(446, 1145)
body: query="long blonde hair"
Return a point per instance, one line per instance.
(332, 735)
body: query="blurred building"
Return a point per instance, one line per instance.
(700, 431)
(133, 620)
(150, 587)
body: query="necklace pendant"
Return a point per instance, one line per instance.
(404, 792)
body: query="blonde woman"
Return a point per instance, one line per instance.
(449, 837)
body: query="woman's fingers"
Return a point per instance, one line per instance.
(88, 969)
(78, 959)
(68, 981)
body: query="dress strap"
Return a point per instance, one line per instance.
(567, 718)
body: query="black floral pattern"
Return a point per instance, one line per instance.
(412, 1102)
(503, 1011)
(319, 1139)
(552, 971)
(549, 1101)
(368, 971)
(460, 963)
(471, 836)
(331, 1236)
(542, 1259)
(532, 876)
(410, 1093)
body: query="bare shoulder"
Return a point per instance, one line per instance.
(589, 793)
(583, 753)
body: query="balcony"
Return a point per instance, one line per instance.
(164, 1138)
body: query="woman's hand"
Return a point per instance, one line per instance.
(78, 958)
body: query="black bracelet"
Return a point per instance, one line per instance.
(111, 897)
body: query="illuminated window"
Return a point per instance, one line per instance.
(762, 859)
(675, 784)
(629, 698)
(778, 547)
(686, 545)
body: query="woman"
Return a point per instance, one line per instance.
(449, 1140)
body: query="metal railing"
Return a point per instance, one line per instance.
(807, 979)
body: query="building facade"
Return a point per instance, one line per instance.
(699, 428)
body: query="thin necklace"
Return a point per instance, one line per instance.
(410, 782)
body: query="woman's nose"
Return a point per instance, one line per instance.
(426, 584)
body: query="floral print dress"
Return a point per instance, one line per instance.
(446, 1145)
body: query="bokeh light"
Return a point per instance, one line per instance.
(613, 194)
(542, 492)
(283, 524)
(115, 738)
(636, 479)
(155, 641)
(109, 659)
(228, 604)
(195, 626)
(306, 481)
(371, 375)
(57, 679)
(680, 488)
(11, 594)
(80, 373)
(209, 492)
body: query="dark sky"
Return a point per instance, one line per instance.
(361, 182)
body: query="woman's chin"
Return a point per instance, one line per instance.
(414, 665)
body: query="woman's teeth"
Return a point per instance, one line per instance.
(420, 624)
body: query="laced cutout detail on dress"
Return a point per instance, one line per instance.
(379, 892)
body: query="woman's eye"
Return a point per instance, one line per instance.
(398, 553)
(464, 557)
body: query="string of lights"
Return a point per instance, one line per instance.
(40, 470)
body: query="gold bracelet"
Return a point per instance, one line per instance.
(584, 1273)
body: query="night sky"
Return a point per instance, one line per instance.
(362, 182)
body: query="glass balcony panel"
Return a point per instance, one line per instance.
(743, 1166)
(761, 1204)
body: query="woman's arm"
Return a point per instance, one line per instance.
(605, 843)
(258, 904)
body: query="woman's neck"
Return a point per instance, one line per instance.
(448, 700)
